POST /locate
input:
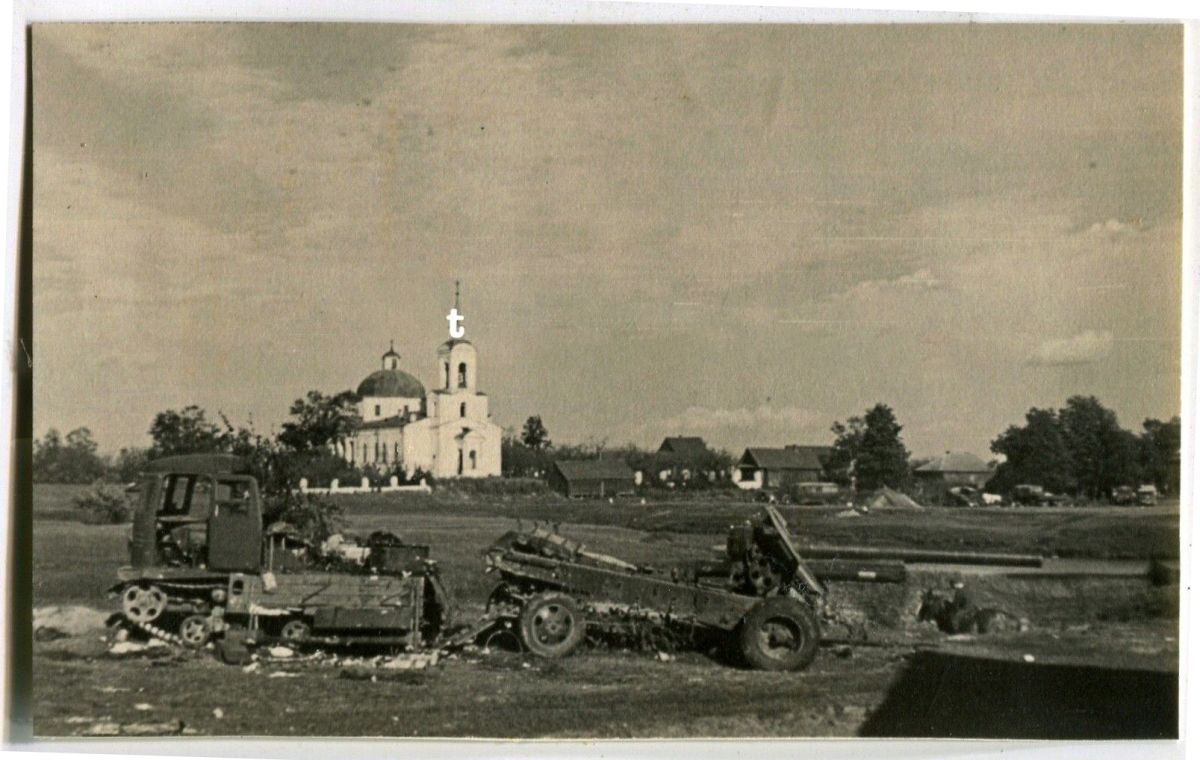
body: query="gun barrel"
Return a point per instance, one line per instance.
(919, 555)
(862, 572)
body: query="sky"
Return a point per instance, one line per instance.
(739, 232)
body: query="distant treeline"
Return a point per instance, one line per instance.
(1079, 449)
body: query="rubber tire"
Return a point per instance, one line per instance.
(790, 612)
(576, 625)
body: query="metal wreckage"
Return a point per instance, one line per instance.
(203, 569)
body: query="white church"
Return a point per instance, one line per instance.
(446, 431)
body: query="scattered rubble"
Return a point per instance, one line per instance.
(108, 728)
(50, 623)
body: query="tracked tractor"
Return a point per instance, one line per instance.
(202, 567)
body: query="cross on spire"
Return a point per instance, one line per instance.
(456, 298)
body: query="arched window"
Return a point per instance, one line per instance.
(446, 370)
(462, 375)
(462, 409)
(364, 453)
(377, 412)
(472, 460)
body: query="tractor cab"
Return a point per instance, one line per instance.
(198, 510)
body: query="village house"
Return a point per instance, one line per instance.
(591, 478)
(683, 458)
(954, 469)
(774, 468)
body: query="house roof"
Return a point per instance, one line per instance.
(822, 452)
(594, 469)
(955, 461)
(790, 458)
(687, 445)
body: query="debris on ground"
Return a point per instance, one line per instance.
(57, 622)
(218, 713)
(959, 615)
(281, 653)
(108, 728)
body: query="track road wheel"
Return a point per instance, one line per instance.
(195, 630)
(552, 625)
(143, 604)
(295, 630)
(780, 633)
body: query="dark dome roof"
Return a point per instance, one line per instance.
(391, 382)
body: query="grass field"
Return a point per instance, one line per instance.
(608, 693)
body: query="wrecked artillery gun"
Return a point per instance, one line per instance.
(761, 597)
(203, 568)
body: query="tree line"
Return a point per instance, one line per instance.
(1078, 449)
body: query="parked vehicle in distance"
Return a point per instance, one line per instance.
(1124, 496)
(1036, 496)
(1147, 496)
(815, 493)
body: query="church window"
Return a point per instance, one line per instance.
(460, 461)
(462, 375)
(462, 409)
(446, 369)
(383, 452)
(364, 453)
(377, 410)
(396, 451)
(472, 460)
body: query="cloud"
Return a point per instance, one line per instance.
(1084, 348)
(701, 418)
(1116, 227)
(921, 280)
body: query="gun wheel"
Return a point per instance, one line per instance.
(143, 604)
(780, 633)
(552, 625)
(195, 630)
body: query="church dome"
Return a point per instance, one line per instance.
(387, 383)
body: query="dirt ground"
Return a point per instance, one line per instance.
(1124, 624)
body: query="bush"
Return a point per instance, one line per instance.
(104, 505)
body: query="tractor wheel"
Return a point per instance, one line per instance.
(780, 633)
(195, 630)
(143, 604)
(295, 630)
(552, 625)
